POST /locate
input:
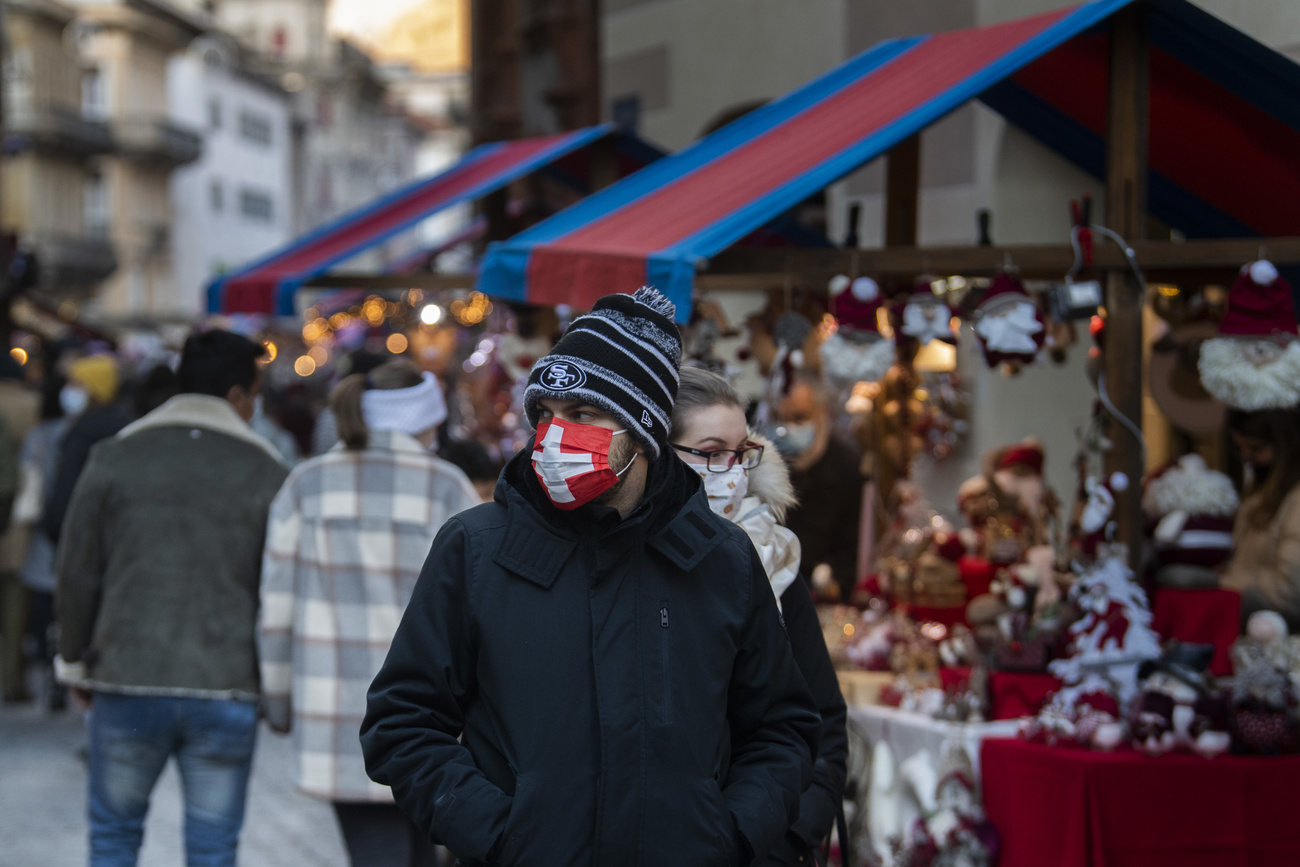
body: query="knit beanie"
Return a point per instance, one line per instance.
(97, 374)
(622, 357)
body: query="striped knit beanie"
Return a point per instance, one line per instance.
(621, 357)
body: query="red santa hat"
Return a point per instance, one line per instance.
(1008, 323)
(856, 352)
(1254, 363)
(1028, 453)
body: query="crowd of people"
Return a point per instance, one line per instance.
(608, 655)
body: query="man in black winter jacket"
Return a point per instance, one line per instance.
(592, 669)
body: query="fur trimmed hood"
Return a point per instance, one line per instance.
(769, 482)
(201, 411)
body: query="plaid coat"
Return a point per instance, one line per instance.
(347, 536)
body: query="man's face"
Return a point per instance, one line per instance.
(622, 448)
(800, 406)
(244, 400)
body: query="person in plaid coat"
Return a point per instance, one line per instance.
(347, 536)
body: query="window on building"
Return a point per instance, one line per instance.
(216, 196)
(255, 205)
(95, 207)
(255, 127)
(95, 95)
(214, 113)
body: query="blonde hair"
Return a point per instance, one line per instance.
(345, 399)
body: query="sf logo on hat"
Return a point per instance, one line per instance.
(562, 376)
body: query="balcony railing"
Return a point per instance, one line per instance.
(55, 129)
(155, 139)
(71, 264)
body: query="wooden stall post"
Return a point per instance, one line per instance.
(902, 192)
(1126, 196)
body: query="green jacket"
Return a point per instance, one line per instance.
(160, 559)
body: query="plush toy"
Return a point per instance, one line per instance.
(1176, 708)
(1008, 324)
(1263, 713)
(1190, 509)
(1254, 363)
(925, 317)
(856, 352)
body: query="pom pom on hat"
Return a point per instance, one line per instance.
(865, 289)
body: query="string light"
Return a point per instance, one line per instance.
(396, 343)
(304, 366)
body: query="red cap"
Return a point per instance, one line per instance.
(1023, 455)
(856, 305)
(1259, 304)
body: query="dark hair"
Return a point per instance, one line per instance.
(1280, 428)
(157, 387)
(213, 362)
(472, 458)
(697, 389)
(345, 399)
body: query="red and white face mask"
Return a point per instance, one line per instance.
(572, 462)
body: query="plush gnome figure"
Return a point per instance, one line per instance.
(1189, 510)
(1176, 708)
(1254, 363)
(926, 317)
(1009, 325)
(1095, 518)
(856, 352)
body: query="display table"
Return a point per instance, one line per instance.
(1074, 808)
(909, 733)
(1199, 617)
(1015, 694)
(862, 687)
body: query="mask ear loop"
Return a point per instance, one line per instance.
(628, 467)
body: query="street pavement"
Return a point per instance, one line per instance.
(43, 795)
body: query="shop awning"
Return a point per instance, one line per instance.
(1225, 131)
(268, 285)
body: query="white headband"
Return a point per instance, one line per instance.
(410, 410)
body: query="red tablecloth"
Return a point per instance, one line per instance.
(1199, 617)
(1015, 694)
(1073, 808)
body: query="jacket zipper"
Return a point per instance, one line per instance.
(668, 684)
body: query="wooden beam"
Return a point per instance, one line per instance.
(602, 169)
(1035, 261)
(902, 192)
(1126, 201)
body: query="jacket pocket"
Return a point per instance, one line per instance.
(665, 644)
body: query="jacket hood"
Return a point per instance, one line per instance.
(770, 480)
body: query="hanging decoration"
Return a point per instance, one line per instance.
(1009, 325)
(856, 352)
(1254, 363)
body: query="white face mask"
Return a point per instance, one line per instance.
(73, 399)
(725, 490)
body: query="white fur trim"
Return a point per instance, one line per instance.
(1233, 378)
(1263, 272)
(848, 362)
(409, 410)
(1118, 482)
(1193, 488)
(838, 284)
(205, 412)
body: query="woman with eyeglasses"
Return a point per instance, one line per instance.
(747, 482)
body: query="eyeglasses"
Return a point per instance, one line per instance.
(721, 460)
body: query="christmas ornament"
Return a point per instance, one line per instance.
(856, 352)
(1009, 325)
(1254, 363)
(1190, 509)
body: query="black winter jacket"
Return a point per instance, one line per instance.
(624, 688)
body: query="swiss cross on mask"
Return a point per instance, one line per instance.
(572, 462)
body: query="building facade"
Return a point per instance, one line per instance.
(126, 47)
(52, 188)
(235, 203)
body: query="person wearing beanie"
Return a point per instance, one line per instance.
(592, 668)
(89, 402)
(348, 534)
(157, 601)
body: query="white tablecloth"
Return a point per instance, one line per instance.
(895, 758)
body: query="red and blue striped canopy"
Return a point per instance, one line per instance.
(1225, 131)
(268, 285)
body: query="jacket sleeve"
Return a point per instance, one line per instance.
(279, 595)
(415, 711)
(81, 561)
(822, 800)
(774, 723)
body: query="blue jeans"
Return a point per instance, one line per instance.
(131, 738)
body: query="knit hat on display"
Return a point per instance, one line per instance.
(622, 357)
(1254, 363)
(98, 375)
